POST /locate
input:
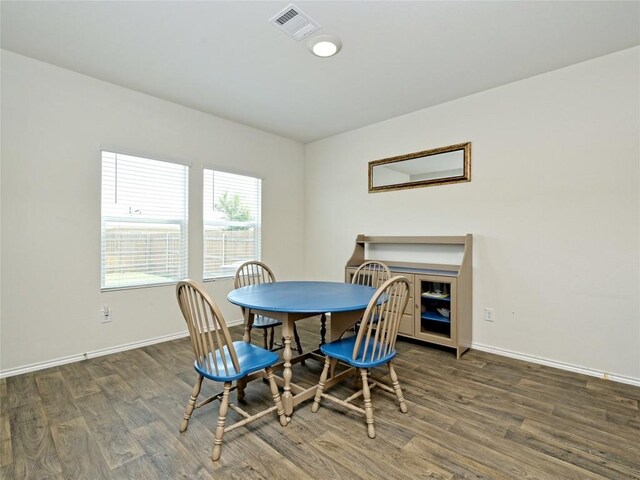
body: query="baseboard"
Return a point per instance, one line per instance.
(33, 367)
(562, 366)
(174, 336)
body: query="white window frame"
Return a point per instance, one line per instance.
(134, 220)
(256, 223)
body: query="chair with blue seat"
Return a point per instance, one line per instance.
(373, 346)
(222, 360)
(254, 273)
(371, 273)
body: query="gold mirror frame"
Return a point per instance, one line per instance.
(465, 177)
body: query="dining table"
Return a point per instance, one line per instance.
(293, 301)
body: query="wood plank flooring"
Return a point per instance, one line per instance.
(483, 416)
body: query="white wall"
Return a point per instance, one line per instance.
(53, 124)
(553, 204)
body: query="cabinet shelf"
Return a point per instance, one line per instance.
(442, 299)
(434, 317)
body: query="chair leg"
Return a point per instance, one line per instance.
(222, 417)
(298, 344)
(396, 388)
(368, 409)
(191, 405)
(275, 393)
(323, 329)
(265, 338)
(320, 387)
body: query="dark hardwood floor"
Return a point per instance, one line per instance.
(482, 416)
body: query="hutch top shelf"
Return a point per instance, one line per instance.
(446, 269)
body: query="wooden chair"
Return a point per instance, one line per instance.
(372, 347)
(221, 360)
(254, 273)
(372, 274)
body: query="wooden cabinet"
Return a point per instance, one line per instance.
(439, 307)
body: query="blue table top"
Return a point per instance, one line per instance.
(303, 297)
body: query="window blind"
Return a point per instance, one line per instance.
(232, 222)
(144, 221)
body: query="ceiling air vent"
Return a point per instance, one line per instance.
(294, 22)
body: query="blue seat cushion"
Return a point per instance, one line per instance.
(343, 350)
(260, 321)
(251, 358)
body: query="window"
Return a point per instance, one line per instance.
(144, 221)
(232, 226)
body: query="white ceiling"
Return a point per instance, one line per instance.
(225, 58)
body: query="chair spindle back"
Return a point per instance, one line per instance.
(253, 273)
(372, 274)
(379, 327)
(207, 329)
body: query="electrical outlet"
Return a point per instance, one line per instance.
(489, 314)
(105, 314)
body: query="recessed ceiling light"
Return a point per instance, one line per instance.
(325, 45)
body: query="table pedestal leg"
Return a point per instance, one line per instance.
(287, 397)
(241, 385)
(248, 323)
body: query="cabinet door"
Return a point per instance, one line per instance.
(406, 326)
(435, 304)
(407, 321)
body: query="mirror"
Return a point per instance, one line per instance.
(438, 166)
